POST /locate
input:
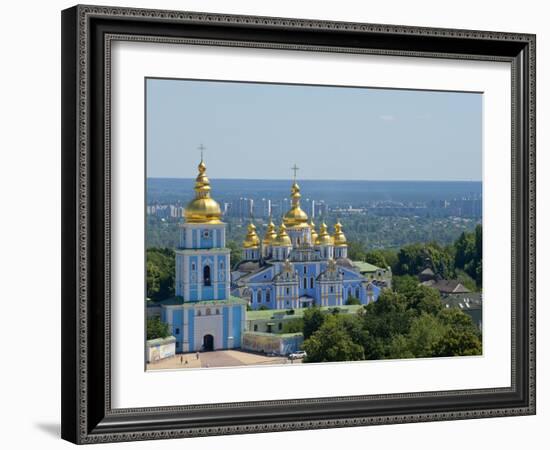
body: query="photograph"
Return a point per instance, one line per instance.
(290, 224)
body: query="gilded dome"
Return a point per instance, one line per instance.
(313, 232)
(270, 234)
(203, 208)
(339, 237)
(324, 238)
(295, 216)
(282, 237)
(252, 240)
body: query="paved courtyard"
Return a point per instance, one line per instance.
(219, 358)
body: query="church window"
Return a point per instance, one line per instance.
(287, 291)
(177, 331)
(349, 292)
(332, 289)
(199, 313)
(255, 327)
(305, 269)
(221, 264)
(192, 266)
(217, 311)
(305, 283)
(268, 295)
(259, 296)
(206, 276)
(311, 283)
(356, 292)
(208, 311)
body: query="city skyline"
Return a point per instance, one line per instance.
(410, 135)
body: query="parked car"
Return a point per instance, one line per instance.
(297, 355)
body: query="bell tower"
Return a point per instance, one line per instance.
(202, 260)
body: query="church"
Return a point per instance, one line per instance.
(290, 268)
(295, 266)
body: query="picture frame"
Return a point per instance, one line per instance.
(87, 412)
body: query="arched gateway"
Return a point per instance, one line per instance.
(208, 343)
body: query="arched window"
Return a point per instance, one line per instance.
(305, 283)
(208, 312)
(305, 269)
(356, 292)
(259, 296)
(349, 292)
(311, 283)
(206, 276)
(268, 295)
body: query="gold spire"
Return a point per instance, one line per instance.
(270, 234)
(295, 216)
(282, 237)
(252, 240)
(203, 208)
(324, 238)
(339, 237)
(313, 232)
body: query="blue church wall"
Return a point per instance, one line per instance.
(225, 325)
(237, 325)
(177, 327)
(191, 327)
(221, 291)
(206, 242)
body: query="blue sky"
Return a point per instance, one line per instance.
(259, 131)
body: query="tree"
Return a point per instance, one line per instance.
(376, 257)
(356, 251)
(425, 333)
(458, 343)
(293, 326)
(161, 268)
(236, 255)
(331, 342)
(468, 254)
(156, 328)
(461, 336)
(353, 300)
(399, 348)
(412, 259)
(313, 319)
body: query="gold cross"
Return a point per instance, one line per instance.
(295, 168)
(202, 148)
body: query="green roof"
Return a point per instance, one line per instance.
(274, 335)
(365, 266)
(172, 301)
(269, 314)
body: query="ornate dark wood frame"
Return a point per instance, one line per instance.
(87, 32)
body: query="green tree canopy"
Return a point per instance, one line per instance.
(313, 319)
(331, 342)
(161, 268)
(156, 328)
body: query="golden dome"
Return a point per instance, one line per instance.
(282, 237)
(313, 232)
(252, 240)
(296, 215)
(270, 234)
(324, 238)
(203, 208)
(339, 237)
